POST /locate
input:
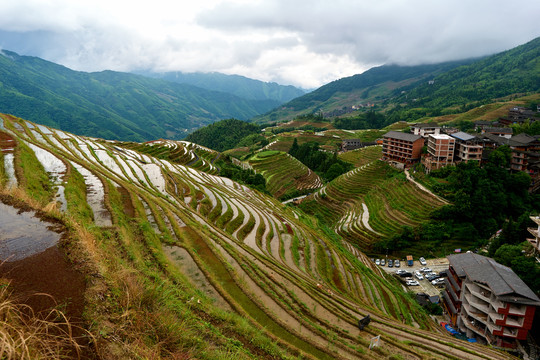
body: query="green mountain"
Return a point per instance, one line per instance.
(233, 84)
(412, 92)
(375, 85)
(510, 72)
(112, 105)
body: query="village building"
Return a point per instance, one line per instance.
(499, 131)
(351, 144)
(440, 150)
(402, 149)
(535, 242)
(488, 301)
(468, 147)
(424, 130)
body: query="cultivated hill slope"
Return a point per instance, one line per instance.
(112, 105)
(371, 202)
(284, 174)
(192, 265)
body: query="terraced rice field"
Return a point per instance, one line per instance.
(371, 201)
(283, 173)
(361, 157)
(247, 252)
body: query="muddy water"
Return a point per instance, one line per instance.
(181, 258)
(39, 273)
(23, 235)
(56, 170)
(10, 170)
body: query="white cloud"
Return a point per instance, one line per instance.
(300, 42)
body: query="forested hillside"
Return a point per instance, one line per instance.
(225, 134)
(411, 92)
(112, 105)
(510, 72)
(240, 86)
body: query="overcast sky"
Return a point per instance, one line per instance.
(306, 43)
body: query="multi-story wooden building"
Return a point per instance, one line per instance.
(468, 147)
(440, 152)
(426, 129)
(535, 242)
(402, 149)
(488, 301)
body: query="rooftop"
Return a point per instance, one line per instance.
(426, 125)
(441, 137)
(499, 278)
(402, 136)
(460, 135)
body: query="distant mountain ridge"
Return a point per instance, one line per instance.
(434, 87)
(240, 86)
(112, 105)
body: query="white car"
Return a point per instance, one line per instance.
(400, 271)
(437, 281)
(378, 262)
(412, 283)
(396, 263)
(418, 275)
(422, 261)
(425, 269)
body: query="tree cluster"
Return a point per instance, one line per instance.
(223, 135)
(326, 164)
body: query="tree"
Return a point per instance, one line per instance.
(507, 253)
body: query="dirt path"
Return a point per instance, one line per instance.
(423, 188)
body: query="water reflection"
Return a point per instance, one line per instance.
(22, 234)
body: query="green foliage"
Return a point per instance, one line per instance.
(524, 266)
(224, 134)
(247, 177)
(327, 165)
(368, 120)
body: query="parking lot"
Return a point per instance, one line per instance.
(425, 286)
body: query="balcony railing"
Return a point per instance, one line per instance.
(477, 304)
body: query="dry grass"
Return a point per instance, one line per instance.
(23, 335)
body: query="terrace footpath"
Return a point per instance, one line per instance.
(423, 188)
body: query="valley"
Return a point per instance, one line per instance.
(264, 279)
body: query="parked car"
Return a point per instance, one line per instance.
(437, 281)
(432, 277)
(390, 263)
(418, 275)
(396, 263)
(400, 271)
(412, 283)
(425, 269)
(443, 274)
(422, 261)
(405, 274)
(378, 262)
(383, 262)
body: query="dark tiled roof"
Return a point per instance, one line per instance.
(463, 136)
(402, 136)
(523, 138)
(499, 130)
(499, 278)
(426, 125)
